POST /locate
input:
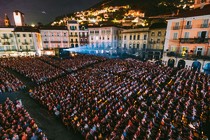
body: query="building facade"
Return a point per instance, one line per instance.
(83, 36)
(54, 37)
(156, 39)
(28, 40)
(135, 38)
(74, 30)
(103, 36)
(188, 33)
(7, 41)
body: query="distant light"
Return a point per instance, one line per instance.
(32, 25)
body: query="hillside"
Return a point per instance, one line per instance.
(150, 7)
(119, 11)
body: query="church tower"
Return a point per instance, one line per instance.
(201, 3)
(6, 21)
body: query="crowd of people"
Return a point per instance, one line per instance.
(9, 82)
(35, 69)
(16, 123)
(73, 64)
(129, 99)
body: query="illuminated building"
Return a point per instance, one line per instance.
(54, 37)
(73, 27)
(135, 38)
(7, 41)
(189, 32)
(106, 36)
(83, 36)
(28, 40)
(157, 32)
(18, 18)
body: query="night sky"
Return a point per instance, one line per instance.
(43, 11)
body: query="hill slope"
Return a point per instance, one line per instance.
(150, 7)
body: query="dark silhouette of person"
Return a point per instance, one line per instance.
(171, 62)
(181, 64)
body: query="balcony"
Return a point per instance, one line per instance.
(55, 41)
(83, 41)
(152, 42)
(188, 56)
(25, 43)
(46, 41)
(204, 25)
(65, 41)
(188, 26)
(176, 27)
(5, 43)
(4, 37)
(194, 40)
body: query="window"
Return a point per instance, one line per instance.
(125, 37)
(206, 21)
(18, 35)
(134, 37)
(153, 34)
(158, 40)
(188, 23)
(137, 46)
(64, 34)
(24, 35)
(145, 37)
(138, 37)
(159, 33)
(130, 37)
(29, 35)
(124, 45)
(186, 35)
(175, 37)
(10, 35)
(177, 24)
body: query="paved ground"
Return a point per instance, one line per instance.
(52, 127)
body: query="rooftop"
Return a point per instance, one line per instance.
(53, 28)
(158, 25)
(26, 29)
